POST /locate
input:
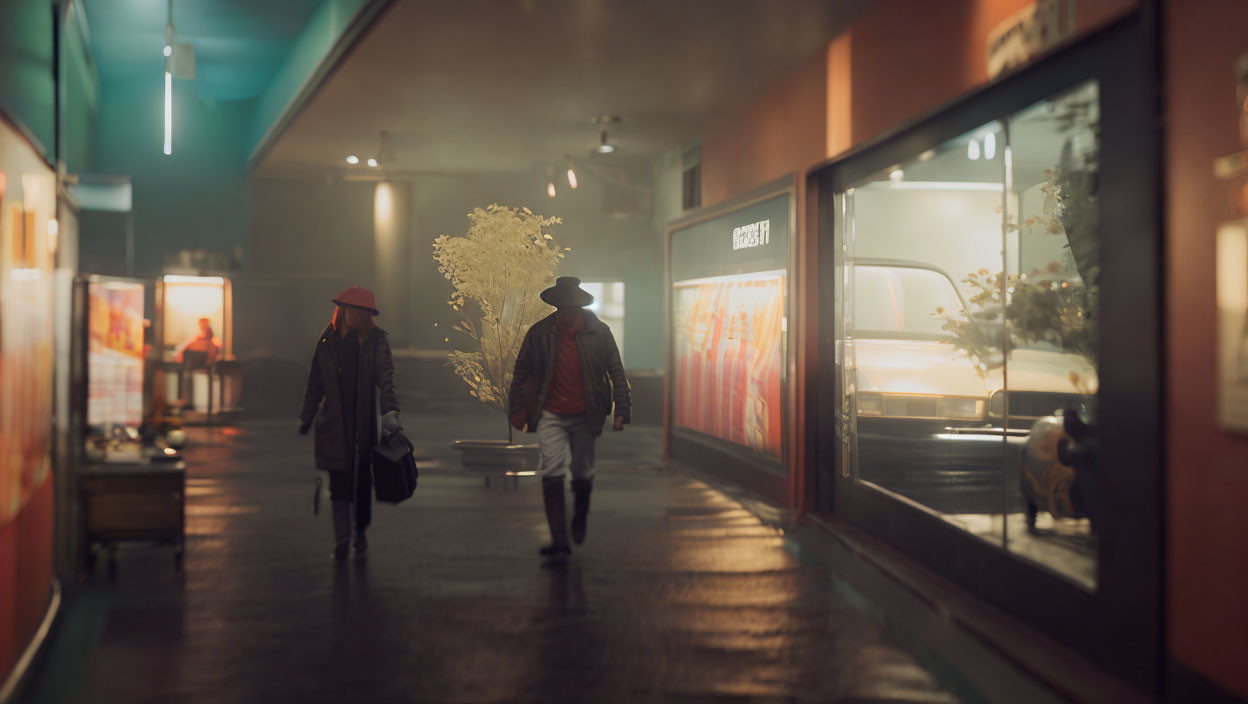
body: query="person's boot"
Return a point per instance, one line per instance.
(581, 489)
(556, 517)
(361, 544)
(342, 529)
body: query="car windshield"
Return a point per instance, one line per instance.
(899, 301)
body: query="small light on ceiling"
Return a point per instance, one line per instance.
(372, 162)
(605, 146)
(972, 150)
(896, 175)
(927, 155)
(571, 176)
(990, 145)
(353, 159)
(550, 189)
(168, 50)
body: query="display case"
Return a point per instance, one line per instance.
(728, 307)
(115, 332)
(199, 376)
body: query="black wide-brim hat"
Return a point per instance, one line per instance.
(567, 293)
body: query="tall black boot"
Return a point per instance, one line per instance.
(581, 489)
(342, 529)
(556, 517)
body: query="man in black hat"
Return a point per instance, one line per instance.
(567, 376)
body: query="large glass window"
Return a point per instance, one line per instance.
(968, 318)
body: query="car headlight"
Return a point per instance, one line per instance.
(920, 406)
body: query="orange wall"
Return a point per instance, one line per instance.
(782, 131)
(1207, 469)
(899, 59)
(912, 56)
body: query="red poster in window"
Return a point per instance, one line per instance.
(729, 355)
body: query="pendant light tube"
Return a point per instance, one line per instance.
(168, 112)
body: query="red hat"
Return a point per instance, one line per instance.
(358, 297)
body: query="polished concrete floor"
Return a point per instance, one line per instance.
(680, 594)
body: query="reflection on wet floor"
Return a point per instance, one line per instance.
(680, 594)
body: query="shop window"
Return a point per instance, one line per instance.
(968, 320)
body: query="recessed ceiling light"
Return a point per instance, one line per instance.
(571, 176)
(972, 150)
(372, 162)
(353, 159)
(550, 189)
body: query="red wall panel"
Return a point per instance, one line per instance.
(25, 573)
(1207, 469)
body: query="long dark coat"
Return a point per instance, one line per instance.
(602, 372)
(323, 402)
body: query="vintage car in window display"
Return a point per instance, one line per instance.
(930, 419)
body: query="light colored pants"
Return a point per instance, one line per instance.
(564, 443)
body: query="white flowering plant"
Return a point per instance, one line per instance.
(498, 270)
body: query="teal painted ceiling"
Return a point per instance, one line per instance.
(239, 44)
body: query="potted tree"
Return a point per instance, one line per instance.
(497, 270)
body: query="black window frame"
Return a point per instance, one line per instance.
(1120, 624)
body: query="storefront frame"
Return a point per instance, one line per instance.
(736, 464)
(1120, 624)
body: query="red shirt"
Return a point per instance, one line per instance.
(566, 394)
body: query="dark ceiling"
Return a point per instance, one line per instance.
(511, 85)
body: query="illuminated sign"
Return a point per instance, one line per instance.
(755, 234)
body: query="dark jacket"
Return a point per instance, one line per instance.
(601, 371)
(324, 395)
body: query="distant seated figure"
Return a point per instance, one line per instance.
(201, 350)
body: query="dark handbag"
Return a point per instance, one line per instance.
(394, 469)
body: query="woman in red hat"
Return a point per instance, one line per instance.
(352, 371)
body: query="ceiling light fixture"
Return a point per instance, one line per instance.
(372, 163)
(972, 150)
(353, 159)
(168, 52)
(605, 146)
(550, 189)
(571, 176)
(604, 142)
(990, 145)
